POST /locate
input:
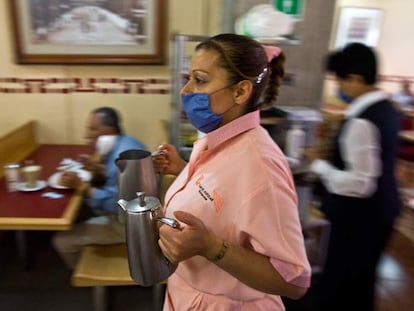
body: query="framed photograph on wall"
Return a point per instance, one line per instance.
(88, 32)
(358, 25)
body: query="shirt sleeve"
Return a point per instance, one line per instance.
(104, 199)
(361, 153)
(281, 238)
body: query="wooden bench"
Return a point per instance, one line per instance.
(17, 144)
(101, 266)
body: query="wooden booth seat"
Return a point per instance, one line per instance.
(17, 144)
(101, 266)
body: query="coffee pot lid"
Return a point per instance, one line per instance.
(142, 203)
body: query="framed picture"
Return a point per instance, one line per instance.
(88, 32)
(358, 25)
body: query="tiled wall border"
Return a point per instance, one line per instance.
(85, 85)
(397, 79)
(387, 78)
(106, 85)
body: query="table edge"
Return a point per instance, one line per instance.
(62, 223)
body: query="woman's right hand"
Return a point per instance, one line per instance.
(168, 161)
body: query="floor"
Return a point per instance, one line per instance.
(395, 287)
(44, 284)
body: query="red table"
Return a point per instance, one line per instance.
(31, 211)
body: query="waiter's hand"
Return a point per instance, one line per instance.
(312, 154)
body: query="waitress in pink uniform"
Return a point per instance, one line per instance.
(240, 245)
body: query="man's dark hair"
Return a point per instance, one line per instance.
(355, 58)
(109, 117)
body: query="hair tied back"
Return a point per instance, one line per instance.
(272, 52)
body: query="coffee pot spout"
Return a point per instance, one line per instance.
(123, 203)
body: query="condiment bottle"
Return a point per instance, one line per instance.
(295, 141)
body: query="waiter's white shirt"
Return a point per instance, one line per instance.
(360, 150)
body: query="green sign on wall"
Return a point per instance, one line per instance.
(291, 7)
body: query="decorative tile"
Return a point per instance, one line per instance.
(86, 85)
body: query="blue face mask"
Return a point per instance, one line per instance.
(344, 97)
(197, 109)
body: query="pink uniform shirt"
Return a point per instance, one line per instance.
(239, 184)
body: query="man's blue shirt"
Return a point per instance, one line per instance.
(105, 198)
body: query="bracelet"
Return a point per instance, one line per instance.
(221, 252)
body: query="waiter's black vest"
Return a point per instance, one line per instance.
(384, 205)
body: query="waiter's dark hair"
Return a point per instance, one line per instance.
(109, 117)
(354, 58)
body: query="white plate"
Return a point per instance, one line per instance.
(53, 179)
(40, 184)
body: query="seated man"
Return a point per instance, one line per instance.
(404, 97)
(101, 193)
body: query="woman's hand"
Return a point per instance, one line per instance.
(168, 161)
(190, 240)
(193, 238)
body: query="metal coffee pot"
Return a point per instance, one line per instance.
(136, 173)
(147, 265)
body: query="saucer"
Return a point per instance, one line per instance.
(40, 184)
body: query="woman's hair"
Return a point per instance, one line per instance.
(245, 59)
(109, 117)
(355, 58)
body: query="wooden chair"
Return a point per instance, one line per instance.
(101, 266)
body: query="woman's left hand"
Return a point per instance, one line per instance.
(190, 240)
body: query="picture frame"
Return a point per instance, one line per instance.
(105, 32)
(357, 24)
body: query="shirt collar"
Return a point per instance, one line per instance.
(364, 101)
(233, 128)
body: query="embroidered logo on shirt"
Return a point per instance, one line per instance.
(218, 201)
(216, 198)
(199, 180)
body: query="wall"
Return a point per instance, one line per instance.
(303, 60)
(396, 42)
(61, 111)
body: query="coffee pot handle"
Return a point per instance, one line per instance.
(170, 222)
(121, 164)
